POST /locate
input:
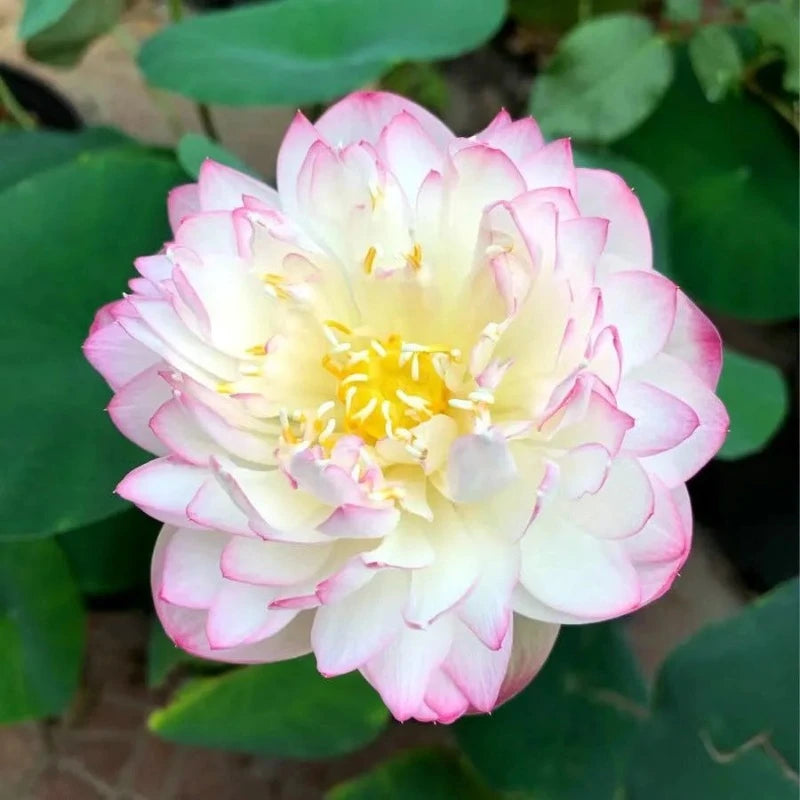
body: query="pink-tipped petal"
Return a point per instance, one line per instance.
(666, 535)
(444, 698)
(208, 232)
(361, 116)
(163, 489)
(620, 507)
(518, 139)
(116, 355)
(212, 507)
(476, 670)
(437, 588)
(182, 201)
(605, 194)
(642, 307)
(575, 572)
(238, 611)
(551, 166)
(187, 627)
(134, 404)
(695, 340)
(255, 561)
(532, 644)
(486, 609)
(677, 465)
(222, 188)
(663, 421)
(351, 631)
(409, 152)
(401, 671)
(191, 575)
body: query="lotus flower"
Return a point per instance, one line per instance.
(413, 410)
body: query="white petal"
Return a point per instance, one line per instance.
(352, 630)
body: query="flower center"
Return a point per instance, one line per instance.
(388, 386)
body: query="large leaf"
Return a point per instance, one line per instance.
(305, 51)
(417, 774)
(64, 42)
(724, 723)
(24, 153)
(757, 399)
(76, 229)
(567, 736)
(41, 631)
(731, 168)
(112, 555)
(41, 14)
(194, 149)
(716, 60)
(283, 709)
(606, 77)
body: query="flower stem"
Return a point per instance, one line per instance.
(15, 110)
(750, 82)
(175, 8)
(209, 128)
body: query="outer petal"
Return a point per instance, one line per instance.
(666, 535)
(575, 572)
(212, 507)
(605, 194)
(641, 305)
(476, 670)
(551, 166)
(186, 627)
(221, 188)
(163, 489)
(361, 116)
(401, 671)
(135, 403)
(116, 355)
(663, 421)
(695, 340)
(532, 644)
(437, 588)
(677, 465)
(181, 202)
(251, 560)
(486, 610)
(409, 152)
(352, 630)
(240, 612)
(191, 574)
(444, 698)
(621, 506)
(517, 139)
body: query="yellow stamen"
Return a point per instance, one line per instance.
(414, 258)
(369, 260)
(338, 326)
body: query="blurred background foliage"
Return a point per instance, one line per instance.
(694, 102)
